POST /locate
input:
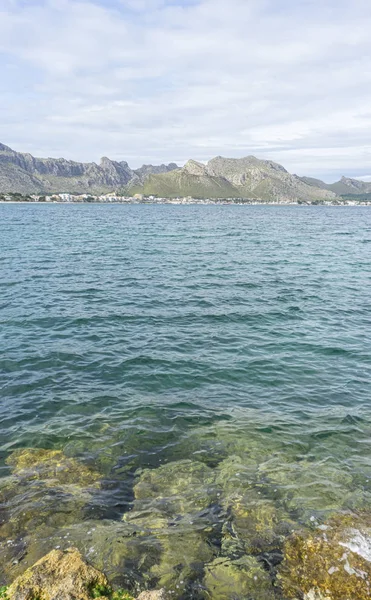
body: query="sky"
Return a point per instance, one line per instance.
(153, 81)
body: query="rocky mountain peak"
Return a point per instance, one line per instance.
(4, 148)
(105, 161)
(192, 167)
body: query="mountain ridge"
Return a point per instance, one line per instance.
(247, 177)
(24, 173)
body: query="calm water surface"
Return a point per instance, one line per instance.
(134, 337)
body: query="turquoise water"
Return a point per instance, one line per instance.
(134, 337)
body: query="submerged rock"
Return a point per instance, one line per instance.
(256, 525)
(331, 563)
(184, 546)
(243, 578)
(178, 487)
(177, 504)
(59, 576)
(305, 488)
(236, 474)
(51, 466)
(35, 506)
(44, 494)
(181, 564)
(113, 547)
(46, 491)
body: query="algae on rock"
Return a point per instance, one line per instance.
(46, 491)
(177, 504)
(51, 466)
(235, 475)
(255, 523)
(331, 563)
(58, 576)
(113, 547)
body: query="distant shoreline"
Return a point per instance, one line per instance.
(195, 203)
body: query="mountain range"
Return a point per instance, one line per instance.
(25, 174)
(220, 178)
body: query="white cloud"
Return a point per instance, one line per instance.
(150, 80)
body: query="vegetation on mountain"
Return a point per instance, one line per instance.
(235, 178)
(345, 187)
(244, 178)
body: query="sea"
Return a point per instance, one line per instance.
(181, 386)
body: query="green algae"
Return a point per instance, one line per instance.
(106, 591)
(121, 595)
(99, 590)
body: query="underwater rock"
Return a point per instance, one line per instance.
(331, 563)
(113, 547)
(46, 491)
(305, 488)
(59, 576)
(51, 466)
(147, 522)
(181, 564)
(177, 503)
(254, 530)
(185, 544)
(178, 487)
(259, 525)
(202, 445)
(243, 578)
(235, 475)
(102, 456)
(255, 524)
(248, 443)
(33, 506)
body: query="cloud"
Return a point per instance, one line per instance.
(154, 80)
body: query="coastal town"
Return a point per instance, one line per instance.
(114, 198)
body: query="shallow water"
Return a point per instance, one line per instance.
(133, 337)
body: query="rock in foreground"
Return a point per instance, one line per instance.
(156, 595)
(59, 576)
(331, 563)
